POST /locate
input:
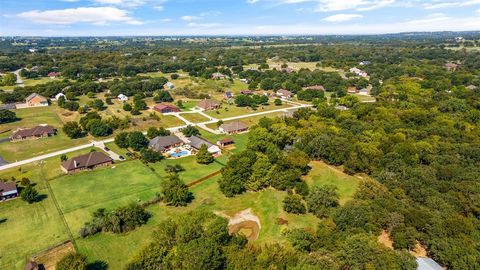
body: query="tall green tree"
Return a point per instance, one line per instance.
(175, 192)
(203, 156)
(321, 199)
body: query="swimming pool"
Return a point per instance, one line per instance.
(180, 154)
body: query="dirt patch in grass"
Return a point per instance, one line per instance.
(246, 223)
(51, 256)
(281, 221)
(384, 239)
(419, 251)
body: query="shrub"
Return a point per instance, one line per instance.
(72, 261)
(293, 204)
(29, 194)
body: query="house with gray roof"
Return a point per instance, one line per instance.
(8, 190)
(196, 142)
(164, 143)
(428, 264)
(88, 161)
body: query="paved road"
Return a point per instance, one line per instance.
(173, 129)
(19, 79)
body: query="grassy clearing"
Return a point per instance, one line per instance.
(231, 110)
(195, 117)
(80, 194)
(250, 121)
(187, 105)
(29, 229)
(364, 98)
(322, 174)
(42, 80)
(35, 227)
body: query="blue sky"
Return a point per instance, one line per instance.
(233, 17)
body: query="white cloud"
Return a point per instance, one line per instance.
(342, 17)
(450, 4)
(189, 18)
(335, 5)
(204, 25)
(166, 20)
(159, 8)
(93, 15)
(123, 3)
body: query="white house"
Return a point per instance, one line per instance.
(364, 92)
(169, 85)
(359, 72)
(57, 96)
(122, 97)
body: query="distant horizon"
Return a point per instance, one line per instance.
(53, 18)
(249, 35)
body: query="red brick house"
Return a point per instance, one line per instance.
(166, 108)
(36, 100)
(37, 132)
(208, 104)
(88, 161)
(225, 142)
(233, 127)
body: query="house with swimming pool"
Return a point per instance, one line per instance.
(165, 143)
(196, 142)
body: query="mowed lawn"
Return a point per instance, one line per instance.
(322, 174)
(28, 228)
(31, 117)
(79, 195)
(231, 110)
(195, 117)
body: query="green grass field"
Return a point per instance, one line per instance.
(32, 227)
(230, 110)
(195, 117)
(28, 229)
(81, 194)
(322, 174)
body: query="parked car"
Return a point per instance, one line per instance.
(121, 158)
(106, 148)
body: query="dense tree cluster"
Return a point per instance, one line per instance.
(200, 241)
(7, 116)
(122, 219)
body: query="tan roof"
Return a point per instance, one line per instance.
(35, 131)
(33, 95)
(284, 92)
(234, 126)
(208, 104)
(85, 161)
(162, 106)
(315, 87)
